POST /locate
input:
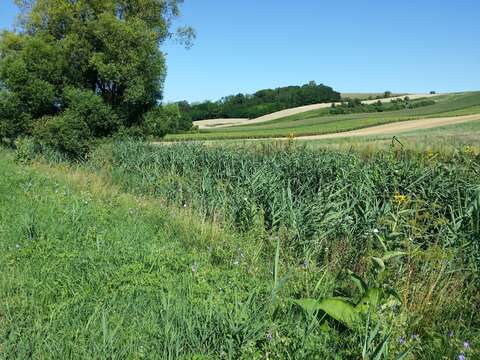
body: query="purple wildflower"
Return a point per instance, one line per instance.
(194, 268)
(305, 264)
(466, 345)
(461, 356)
(269, 336)
(402, 340)
(414, 336)
(450, 334)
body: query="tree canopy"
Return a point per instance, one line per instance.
(108, 48)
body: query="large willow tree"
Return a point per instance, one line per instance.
(102, 48)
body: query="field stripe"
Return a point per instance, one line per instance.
(397, 127)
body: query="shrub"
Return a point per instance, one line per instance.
(133, 132)
(67, 133)
(162, 120)
(86, 105)
(13, 121)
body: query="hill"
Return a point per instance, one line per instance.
(321, 121)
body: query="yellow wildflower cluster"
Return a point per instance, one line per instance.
(400, 199)
(470, 150)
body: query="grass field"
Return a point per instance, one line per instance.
(211, 252)
(319, 122)
(442, 140)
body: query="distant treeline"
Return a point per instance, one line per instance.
(261, 103)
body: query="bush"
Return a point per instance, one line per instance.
(86, 105)
(133, 132)
(162, 120)
(13, 122)
(86, 117)
(66, 133)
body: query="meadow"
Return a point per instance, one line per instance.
(269, 251)
(320, 122)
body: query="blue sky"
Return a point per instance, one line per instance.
(351, 45)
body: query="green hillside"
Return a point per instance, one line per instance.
(320, 122)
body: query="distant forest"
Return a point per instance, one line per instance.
(261, 103)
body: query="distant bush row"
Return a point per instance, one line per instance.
(352, 106)
(261, 103)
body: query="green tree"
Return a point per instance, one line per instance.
(107, 48)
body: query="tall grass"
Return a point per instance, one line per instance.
(195, 252)
(314, 196)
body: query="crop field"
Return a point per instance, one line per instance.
(320, 122)
(211, 252)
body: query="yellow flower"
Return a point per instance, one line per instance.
(400, 199)
(469, 150)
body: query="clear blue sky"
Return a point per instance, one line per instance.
(354, 46)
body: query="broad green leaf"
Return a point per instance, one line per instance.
(325, 327)
(371, 299)
(308, 305)
(393, 254)
(340, 310)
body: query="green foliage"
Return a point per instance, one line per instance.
(348, 311)
(103, 55)
(66, 133)
(85, 117)
(13, 122)
(299, 189)
(89, 107)
(142, 278)
(26, 150)
(162, 120)
(355, 106)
